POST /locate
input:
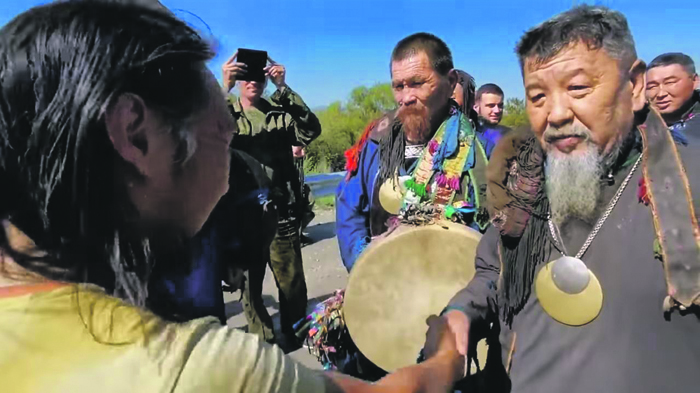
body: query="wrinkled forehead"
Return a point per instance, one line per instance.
(579, 48)
(415, 64)
(574, 59)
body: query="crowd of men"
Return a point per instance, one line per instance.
(131, 187)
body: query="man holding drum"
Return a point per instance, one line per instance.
(418, 166)
(393, 165)
(592, 266)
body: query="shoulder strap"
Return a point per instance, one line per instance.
(671, 201)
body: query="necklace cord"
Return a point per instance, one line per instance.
(601, 220)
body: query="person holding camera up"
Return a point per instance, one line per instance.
(266, 130)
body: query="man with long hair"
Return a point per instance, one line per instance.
(114, 145)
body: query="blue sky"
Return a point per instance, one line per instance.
(330, 46)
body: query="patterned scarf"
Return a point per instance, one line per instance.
(439, 170)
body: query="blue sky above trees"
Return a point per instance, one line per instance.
(331, 47)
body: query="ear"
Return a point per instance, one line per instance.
(452, 77)
(696, 82)
(18, 240)
(638, 78)
(126, 121)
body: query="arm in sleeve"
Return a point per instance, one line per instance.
(234, 107)
(300, 119)
(218, 359)
(352, 207)
(478, 300)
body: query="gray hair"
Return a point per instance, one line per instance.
(596, 26)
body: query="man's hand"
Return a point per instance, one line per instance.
(234, 278)
(276, 73)
(298, 151)
(232, 71)
(437, 374)
(459, 324)
(436, 341)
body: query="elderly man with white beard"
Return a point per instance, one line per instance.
(590, 276)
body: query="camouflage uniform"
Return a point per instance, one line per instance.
(268, 133)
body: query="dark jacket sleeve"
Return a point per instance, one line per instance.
(300, 119)
(478, 300)
(353, 207)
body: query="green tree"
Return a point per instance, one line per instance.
(515, 115)
(369, 102)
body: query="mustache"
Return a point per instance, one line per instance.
(416, 122)
(552, 134)
(413, 110)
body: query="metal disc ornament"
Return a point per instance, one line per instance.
(391, 194)
(569, 292)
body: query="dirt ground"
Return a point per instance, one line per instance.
(324, 274)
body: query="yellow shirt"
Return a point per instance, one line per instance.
(78, 339)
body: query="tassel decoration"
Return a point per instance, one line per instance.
(450, 182)
(410, 184)
(441, 179)
(433, 146)
(418, 189)
(454, 183)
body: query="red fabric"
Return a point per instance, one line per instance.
(352, 155)
(642, 192)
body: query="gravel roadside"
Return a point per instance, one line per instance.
(324, 274)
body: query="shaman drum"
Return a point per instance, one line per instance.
(399, 281)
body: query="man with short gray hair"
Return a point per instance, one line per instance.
(589, 274)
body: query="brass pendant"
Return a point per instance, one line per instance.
(391, 194)
(569, 292)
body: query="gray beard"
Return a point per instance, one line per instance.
(573, 185)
